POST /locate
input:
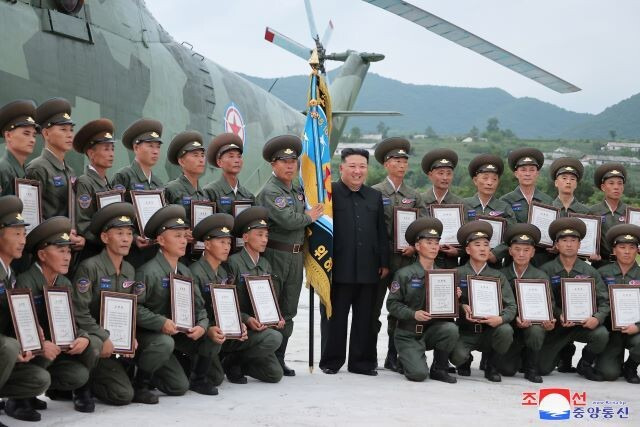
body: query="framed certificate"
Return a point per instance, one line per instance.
(402, 217)
(625, 305)
(237, 207)
(25, 320)
(499, 225)
(182, 302)
(226, 310)
(118, 317)
(263, 299)
(485, 296)
(440, 286)
(30, 193)
(542, 216)
(534, 300)
(590, 245)
(451, 218)
(200, 209)
(578, 299)
(633, 215)
(60, 313)
(105, 198)
(146, 203)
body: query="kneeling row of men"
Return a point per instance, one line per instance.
(508, 342)
(164, 359)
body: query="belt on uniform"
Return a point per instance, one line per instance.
(476, 328)
(411, 326)
(284, 247)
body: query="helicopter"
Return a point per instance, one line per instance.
(113, 59)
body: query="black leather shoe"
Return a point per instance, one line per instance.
(58, 394)
(38, 404)
(204, 387)
(630, 372)
(492, 374)
(82, 400)
(329, 371)
(1, 404)
(391, 362)
(369, 372)
(464, 370)
(533, 376)
(564, 366)
(585, 369)
(287, 371)
(21, 409)
(233, 370)
(442, 375)
(483, 362)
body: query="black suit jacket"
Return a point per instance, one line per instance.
(360, 244)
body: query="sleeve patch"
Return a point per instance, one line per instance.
(280, 202)
(139, 289)
(84, 200)
(83, 285)
(394, 287)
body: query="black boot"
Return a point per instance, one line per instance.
(464, 370)
(391, 361)
(233, 369)
(59, 394)
(141, 392)
(440, 367)
(585, 366)
(21, 409)
(82, 400)
(530, 365)
(287, 371)
(630, 371)
(38, 405)
(198, 381)
(491, 371)
(483, 362)
(566, 356)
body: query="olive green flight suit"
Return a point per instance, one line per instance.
(181, 192)
(17, 380)
(256, 353)
(108, 380)
(609, 219)
(221, 192)
(437, 334)
(495, 208)
(574, 207)
(610, 360)
(168, 374)
(287, 222)
(54, 177)
(405, 197)
(10, 169)
(132, 178)
(240, 265)
(560, 337)
(530, 338)
(67, 372)
(520, 207)
(429, 198)
(482, 337)
(87, 185)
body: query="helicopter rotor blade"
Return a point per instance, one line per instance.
(287, 43)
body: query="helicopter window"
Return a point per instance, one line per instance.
(70, 7)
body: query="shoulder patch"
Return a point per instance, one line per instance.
(280, 202)
(495, 213)
(127, 284)
(394, 287)
(408, 201)
(582, 276)
(634, 282)
(139, 288)
(84, 200)
(300, 197)
(83, 285)
(119, 187)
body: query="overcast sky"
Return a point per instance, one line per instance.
(594, 44)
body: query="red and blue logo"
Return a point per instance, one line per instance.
(233, 121)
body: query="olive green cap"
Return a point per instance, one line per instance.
(221, 144)
(142, 130)
(474, 230)
(566, 165)
(524, 157)
(183, 143)
(439, 158)
(95, 132)
(249, 219)
(54, 111)
(394, 147)
(423, 228)
(623, 233)
(609, 170)
(11, 212)
(523, 233)
(214, 226)
(119, 214)
(17, 114)
(281, 148)
(53, 231)
(486, 163)
(565, 227)
(170, 217)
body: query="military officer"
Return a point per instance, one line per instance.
(566, 234)
(287, 221)
(485, 171)
(95, 140)
(168, 226)
(610, 179)
(50, 243)
(252, 226)
(225, 152)
(19, 129)
(143, 137)
(439, 166)
(20, 378)
(54, 174)
(107, 272)
(623, 239)
(187, 151)
(492, 335)
(528, 338)
(566, 172)
(254, 352)
(417, 331)
(526, 164)
(393, 154)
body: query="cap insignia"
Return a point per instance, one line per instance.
(567, 231)
(263, 222)
(154, 135)
(224, 229)
(524, 237)
(615, 172)
(432, 231)
(66, 116)
(30, 120)
(65, 236)
(108, 135)
(568, 168)
(628, 237)
(180, 221)
(480, 234)
(288, 151)
(444, 161)
(124, 218)
(196, 144)
(490, 167)
(402, 152)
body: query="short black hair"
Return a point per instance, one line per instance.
(346, 152)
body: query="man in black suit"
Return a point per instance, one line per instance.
(360, 260)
